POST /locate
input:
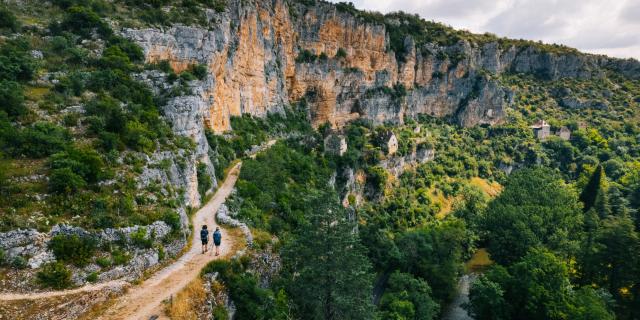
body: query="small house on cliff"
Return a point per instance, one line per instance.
(389, 142)
(541, 129)
(335, 144)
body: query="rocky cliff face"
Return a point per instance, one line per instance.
(250, 50)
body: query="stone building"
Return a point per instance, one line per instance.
(541, 129)
(335, 144)
(564, 133)
(389, 142)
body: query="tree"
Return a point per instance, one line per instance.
(540, 286)
(487, 298)
(435, 255)
(594, 192)
(407, 298)
(325, 264)
(536, 208)
(614, 259)
(536, 287)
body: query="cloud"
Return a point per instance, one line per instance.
(605, 27)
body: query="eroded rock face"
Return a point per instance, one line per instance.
(251, 48)
(33, 246)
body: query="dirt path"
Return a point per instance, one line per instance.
(145, 300)
(52, 294)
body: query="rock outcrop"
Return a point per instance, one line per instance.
(350, 72)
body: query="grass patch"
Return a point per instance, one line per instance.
(478, 262)
(188, 301)
(492, 189)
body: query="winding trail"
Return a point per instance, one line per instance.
(52, 294)
(145, 300)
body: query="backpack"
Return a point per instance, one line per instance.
(217, 236)
(204, 234)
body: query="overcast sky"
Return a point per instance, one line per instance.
(610, 27)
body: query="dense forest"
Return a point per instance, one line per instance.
(357, 236)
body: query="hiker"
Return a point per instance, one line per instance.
(204, 237)
(217, 238)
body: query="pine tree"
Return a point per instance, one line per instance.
(593, 191)
(326, 265)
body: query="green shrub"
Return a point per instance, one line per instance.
(16, 63)
(84, 162)
(19, 262)
(139, 238)
(65, 181)
(73, 248)
(306, 56)
(12, 98)
(204, 179)
(115, 58)
(8, 20)
(55, 275)
(199, 71)
(103, 262)
(83, 21)
(220, 313)
(187, 76)
(92, 277)
(341, 53)
(120, 257)
(41, 140)
(173, 220)
(219, 6)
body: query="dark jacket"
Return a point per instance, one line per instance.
(217, 237)
(204, 234)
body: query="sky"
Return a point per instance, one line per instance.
(610, 27)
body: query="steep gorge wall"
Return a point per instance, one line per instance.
(250, 50)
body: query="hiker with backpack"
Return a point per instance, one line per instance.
(204, 237)
(217, 239)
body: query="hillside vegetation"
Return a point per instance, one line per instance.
(375, 231)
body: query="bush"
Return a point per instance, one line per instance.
(8, 20)
(120, 257)
(139, 239)
(204, 179)
(41, 140)
(341, 53)
(85, 162)
(220, 313)
(173, 220)
(19, 262)
(55, 275)
(92, 277)
(65, 181)
(16, 63)
(103, 262)
(199, 71)
(83, 21)
(306, 56)
(12, 99)
(73, 248)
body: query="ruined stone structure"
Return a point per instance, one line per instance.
(335, 144)
(542, 130)
(564, 133)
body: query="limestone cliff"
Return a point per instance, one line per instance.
(251, 51)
